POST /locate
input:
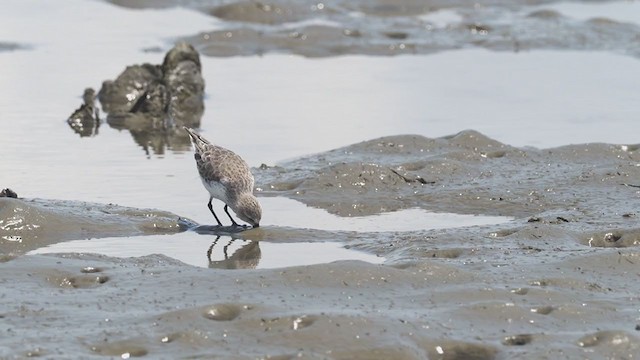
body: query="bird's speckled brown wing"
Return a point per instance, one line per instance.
(216, 163)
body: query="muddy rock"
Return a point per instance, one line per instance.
(182, 73)
(8, 193)
(151, 101)
(153, 89)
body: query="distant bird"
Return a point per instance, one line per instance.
(85, 121)
(227, 178)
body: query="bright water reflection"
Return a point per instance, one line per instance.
(287, 212)
(215, 251)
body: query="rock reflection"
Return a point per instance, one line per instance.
(153, 102)
(246, 256)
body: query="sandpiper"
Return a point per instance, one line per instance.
(227, 178)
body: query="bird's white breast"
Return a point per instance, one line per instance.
(217, 190)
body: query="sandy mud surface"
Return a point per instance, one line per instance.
(583, 189)
(345, 310)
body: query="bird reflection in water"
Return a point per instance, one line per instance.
(246, 256)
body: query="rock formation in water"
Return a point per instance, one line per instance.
(8, 193)
(169, 94)
(151, 101)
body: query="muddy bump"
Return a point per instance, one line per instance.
(412, 166)
(36, 352)
(630, 147)
(279, 357)
(285, 185)
(396, 35)
(459, 350)
(222, 312)
(542, 310)
(617, 238)
(389, 9)
(90, 270)
(444, 253)
(540, 282)
(302, 322)
(569, 283)
(123, 349)
(612, 237)
(517, 340)
(520, 291)
(503, 233)
(7, 257)
(544, 14)
(170, 338)
(494, 154)
(609, 338)
(474, 140)
(288, 322)
(397, 352)
(70, 281)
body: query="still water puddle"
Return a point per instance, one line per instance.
(295, 214)
(297, 222)
(213, 251)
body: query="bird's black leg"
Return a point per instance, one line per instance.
(214, 214)
(211, 247)
(226, 247)
(226, 209)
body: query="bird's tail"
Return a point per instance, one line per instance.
(198, 141)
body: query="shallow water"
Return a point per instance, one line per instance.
(221, 252)
(501, 251)
(297, 215)
(274, 246)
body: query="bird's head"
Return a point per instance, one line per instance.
(248, 209)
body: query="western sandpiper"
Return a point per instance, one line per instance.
(227, 178)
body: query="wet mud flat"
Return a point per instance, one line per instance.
(388, 28)
(556, 282)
